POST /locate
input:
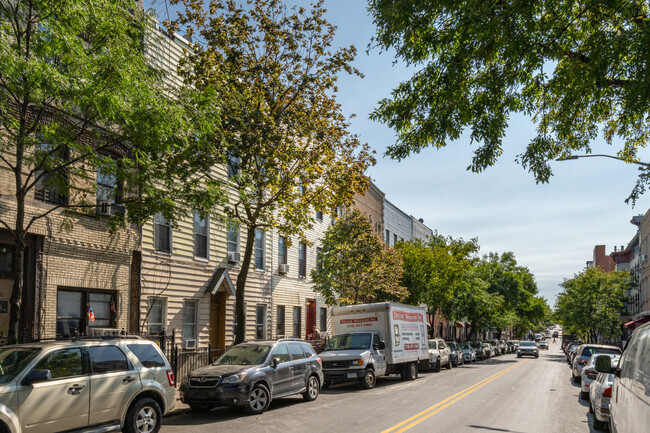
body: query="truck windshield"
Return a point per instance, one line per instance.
(13, 360)
(349, 342)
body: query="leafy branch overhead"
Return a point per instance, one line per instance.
(579, 69)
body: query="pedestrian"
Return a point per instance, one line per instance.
(315, 334)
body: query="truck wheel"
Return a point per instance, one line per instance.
(437, 367)
(368, 380)
(410, 371)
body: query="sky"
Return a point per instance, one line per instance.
(551, 228)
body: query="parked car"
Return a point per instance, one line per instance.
(495, 346)
(585, 352)
(85, 384)
(555, 334)
(480, 350)
(589, 374)
(630, 409)
(456, 353)
(489, 350)
(469, 353)
(527, 348)
(439, 354)
(504, 346)
(572, 353)
(600, 394)
(253, 374)
(543, 344)
(513, 344)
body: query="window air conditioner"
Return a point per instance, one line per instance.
(283, 269)
(189, 343)
(104, 207)
(233, 257)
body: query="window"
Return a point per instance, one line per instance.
(189, 319)
(297, 325)
(296, 351)
(48, 188)
(394, 238)
(281, 352)
(233, 165)
(73, 307)
(62, 363)
(157, 314)
(319, 258)
(302, 189)
(323, 319)
(109, 190)
(282, 250)
(233, 240)
(308, 350)
(105, 359)
(387, 237)
(279, 322)
(162, 233)
(319, 215)
(302, 259)
(260, 322)
(260, 238)
(147, 355)
(6, 258)
(201, 231)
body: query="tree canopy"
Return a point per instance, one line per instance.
(356, 266)
(289, 152)
(579, 69)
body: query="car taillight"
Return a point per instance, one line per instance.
(607, 392)
(170, 378)
(582, 361)
(320, 362)
(591, 374)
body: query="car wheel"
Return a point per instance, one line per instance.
(577, 379)
(368, 380)
(518, 356)
(258, 400)
(584, 395)
(199, 407)
(313, 387)
(144, 416)
(599, 425)
(437, 367)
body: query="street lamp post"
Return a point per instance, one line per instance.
(642, 164)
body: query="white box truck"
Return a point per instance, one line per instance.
(374, 340)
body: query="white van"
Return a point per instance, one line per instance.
(630, 401)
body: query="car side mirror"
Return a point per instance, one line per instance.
(379, 346)
(36, 376)
(275, 362)
(603, 364)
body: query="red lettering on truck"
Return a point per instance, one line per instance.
(407, 317)
(363, 320)
(412, 346)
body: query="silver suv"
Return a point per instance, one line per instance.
(87, 384)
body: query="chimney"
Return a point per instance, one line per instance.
(614, 248)
(421, 220)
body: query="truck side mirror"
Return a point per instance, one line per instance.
(603, 364)
(275, 362)
(379, 346)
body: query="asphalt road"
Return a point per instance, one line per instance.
(503, 394)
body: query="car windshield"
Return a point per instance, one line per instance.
(588, 351)
(244, 354)
(432, 345)
(465, 346)
(349, 342)
(13, 360)
(452, 346)
(527, 344)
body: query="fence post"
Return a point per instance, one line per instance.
(175, 355)
(163, 341)
(209, 353)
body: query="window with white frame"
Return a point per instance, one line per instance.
(201, 231)
(282, 251)
(190, 319)
(157, 315)
(108, 187)
(297, 321)
(233, 239)
(260, 240)
(260, 322)
(162, 233)
(319, 215)
(302, 259)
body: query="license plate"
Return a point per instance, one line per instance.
(352, 375)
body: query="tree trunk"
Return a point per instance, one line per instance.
(15, 301)
(240, 313)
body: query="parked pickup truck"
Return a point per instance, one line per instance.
(375, 340)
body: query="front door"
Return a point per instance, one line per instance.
(61, 403)
(311, 317)
(283, 374)
(218, 321)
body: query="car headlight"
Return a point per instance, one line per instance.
(234, 378)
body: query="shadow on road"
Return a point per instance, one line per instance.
(482, 427)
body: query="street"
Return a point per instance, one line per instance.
(503, 394)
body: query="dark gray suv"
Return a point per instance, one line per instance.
(251, 374)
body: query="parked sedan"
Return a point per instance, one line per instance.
(469, 353)
(584, 353)
(480, 350)
(456, 354)
(600, 393)
(589, 373)
(495, 346)
(253, 374)
(527, 348)
(489, 350)
(439, 354)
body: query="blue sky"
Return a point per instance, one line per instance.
(551, 228)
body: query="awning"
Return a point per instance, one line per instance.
(634, 323)
(219, 277)
(628, 324)
(461, 324)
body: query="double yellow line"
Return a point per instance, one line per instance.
(427, 413)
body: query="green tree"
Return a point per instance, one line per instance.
(591, 303)
(435, 271)
(356, 266)
(289, 150)
(79, 102)
(579, 68)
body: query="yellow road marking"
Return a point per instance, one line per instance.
(425, 414)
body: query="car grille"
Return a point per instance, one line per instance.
(336, 364)
(204, 381)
